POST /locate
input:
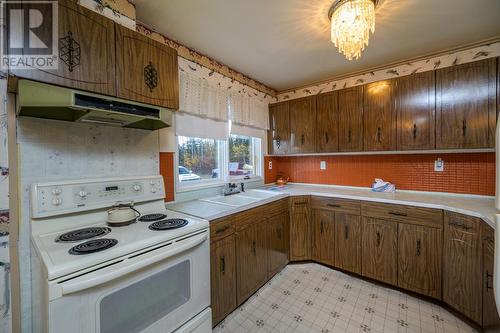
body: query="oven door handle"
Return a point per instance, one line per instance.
(132, 265)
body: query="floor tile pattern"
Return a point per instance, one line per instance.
(314, 298)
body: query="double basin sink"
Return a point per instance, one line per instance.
(241, 199)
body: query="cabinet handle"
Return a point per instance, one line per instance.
(487, 278)
(460, 225)
(326, 138)
(221, 230)
(346, 231)
(278, 142)
(333, 205)
(349, 136)
(378, 238)
(464, 127)
(223, 264)
(150, 76)
(321, 228)
(398, 214)
(302, 139)
(379, 134)
(418, 248)
(278, 231)
(300, 203)
(69, 51)
(254, 248)
(414, 131)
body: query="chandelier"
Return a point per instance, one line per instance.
(352, 21)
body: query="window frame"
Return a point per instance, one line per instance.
(256, 150)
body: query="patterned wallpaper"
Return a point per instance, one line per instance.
(446, 60)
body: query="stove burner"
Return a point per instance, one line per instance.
(94, 245)
(152, 217)
(168, 224)
(82, 234)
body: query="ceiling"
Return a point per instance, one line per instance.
(286, 43)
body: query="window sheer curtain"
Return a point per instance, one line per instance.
(248, 115)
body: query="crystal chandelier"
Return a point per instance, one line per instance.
(352, 21)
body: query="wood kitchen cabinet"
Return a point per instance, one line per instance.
(415, 106)
(300, 229)
(302, 125)
(277, 238)
(146, 70)
(350, 110)
(323, 236)
(420, 258)
(491, 320)
(380, 250)
(279, 132)
(462, 278)
(379, 116)
(348, 242)
(465, 105)
(86, 52)
(327, 123)
(222, 278)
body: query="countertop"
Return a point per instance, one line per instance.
(473, 205)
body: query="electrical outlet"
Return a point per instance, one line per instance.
(322, 165)
(270, 166)
(439, 165)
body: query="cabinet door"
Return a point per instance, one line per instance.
(251, 258)
(86, 51)
(420, 259)
(302, 125)
(300, 239)
(327, 123)
(223, 278)
(348, 242)
(147, 70)
(465, 105)
(462, 278)
(380, 250)
(490, 313)
(350, 104)
(379, 116)
(279, 132)
(415, 105)
(323, 236)
(277, 248)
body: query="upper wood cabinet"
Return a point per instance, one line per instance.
(279, 128)
(300, 229)
(466, 105)
(327, 123)
(302, 125)
(350, 109)
(146, 70)
(86, 51)
(415, 106)
(379, 116)
(323, 236)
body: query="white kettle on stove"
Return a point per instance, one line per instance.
(122, 214)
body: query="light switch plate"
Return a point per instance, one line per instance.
(270, 166)
(322, 165)
(439, 165)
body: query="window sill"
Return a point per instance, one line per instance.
(195, 187)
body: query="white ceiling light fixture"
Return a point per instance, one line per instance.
(351, 24)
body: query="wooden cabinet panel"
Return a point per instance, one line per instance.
(337, 205)
(300, 229)
(348, 242)
(302, 125)
(323, 236)
(147, 70)
(251, 257)
(86, 51)
(279, 132)
(420, 259)
(277, 243)
(401, 213)
(465, 105)
(221, 228)
(327, 123)
(415, 106)
(223, 278)
(350, 108)
(380, 250)
(462, 282)
(379, 116)
(490, 313)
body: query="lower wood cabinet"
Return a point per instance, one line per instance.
(323, 236)
(223, 277)
(380, 250)
(348, 242)
(462, 283)
(420, 259)
(277, 243)
(490, 313)
(300, 228)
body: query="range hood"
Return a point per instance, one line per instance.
(52, 102)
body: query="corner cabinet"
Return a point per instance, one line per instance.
(302, 125)
(146, 70)
(86, 52)
(279, 128)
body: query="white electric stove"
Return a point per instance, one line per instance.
(152, 275)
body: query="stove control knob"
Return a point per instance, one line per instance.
(56, 191)
(82, 193)
(136, 187)
(153, 189)
(56, 201)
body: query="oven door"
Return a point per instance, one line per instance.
(156, 291)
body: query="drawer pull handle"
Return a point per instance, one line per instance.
(223, 264)
(326, 138)
(278, 231)
(379, 237)
(414, 131)
(418, 248)
(349, 136)
(460, 225)
(333, 205)
(488, 276)
(302, 139)
(398, 214)
(464, 127)
(254, 248)
(346, 231)
(300, 203)
(321, 228)
(221, 230)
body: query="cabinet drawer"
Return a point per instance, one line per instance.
(245, 218)
(336, 204)
(408, 214)
(221, 228)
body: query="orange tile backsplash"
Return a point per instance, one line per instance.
(471, 173)
(167, 171)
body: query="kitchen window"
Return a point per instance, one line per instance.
(244, 157)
